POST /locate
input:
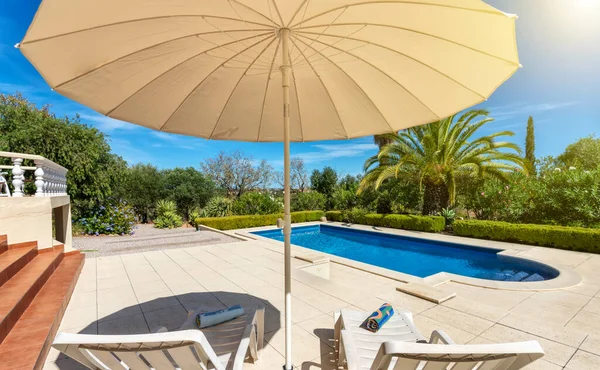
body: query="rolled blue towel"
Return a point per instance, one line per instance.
(207, 319)
(378, 318)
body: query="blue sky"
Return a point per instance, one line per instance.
(559, 85)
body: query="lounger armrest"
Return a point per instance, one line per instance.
(440, 336)
(348, 354)
(252, 340)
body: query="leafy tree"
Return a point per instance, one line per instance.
(93, 170)
(236, 173)
(530, 144)
(308, 201)
(256, 203)
(324, 182)
(142, 187)
(188, 188)
(298, 175)
(584, 154)
(218, 207)
(435, 154)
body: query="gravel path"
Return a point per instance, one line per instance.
(147, 238)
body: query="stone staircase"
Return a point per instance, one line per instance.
(35, 288)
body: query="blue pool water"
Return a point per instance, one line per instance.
(414, 256)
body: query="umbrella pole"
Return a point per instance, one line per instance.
(287, 229)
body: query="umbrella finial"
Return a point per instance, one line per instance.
(17, 45)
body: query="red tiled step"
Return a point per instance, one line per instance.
(14, 259)
(22, 287)
(28, 343)
(3, 243)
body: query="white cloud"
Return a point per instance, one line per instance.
(508, 111)
(176, 141)
(107, 124)
(327, 152)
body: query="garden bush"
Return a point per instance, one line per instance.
(243, 222)
(308, 201)
(563, 237)
(117, 218)
(167, 217)
(256, 203)
(407, 222)
(218, 207)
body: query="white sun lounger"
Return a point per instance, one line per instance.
(221, 347)
(399, 346)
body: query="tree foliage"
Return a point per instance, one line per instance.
(188, 188)
(93, 170)
(236, 174)
(435, 154)
(530, 143)
(256, 203)
(584, 154)
(299, 180)
(142, 188)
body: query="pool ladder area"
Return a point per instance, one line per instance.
(509, 275)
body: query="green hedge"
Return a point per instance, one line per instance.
(563, 237)
(407, 222)
(243, 222)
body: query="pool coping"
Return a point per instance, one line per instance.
(567, 277)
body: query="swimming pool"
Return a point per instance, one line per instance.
(414, 256)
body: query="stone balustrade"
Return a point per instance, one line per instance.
(50, 178)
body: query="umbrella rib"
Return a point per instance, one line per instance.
(177, 65)
(324, 87)
(146, 19)
(237, 84)
(399, 53)
(497, 12)
(206, 77)
(153, 46)
(298, 102)
(356, 83)
(262, 111)
(384, 73)
(297, 11)
(277, 10)
(255, 11)
(299, 30)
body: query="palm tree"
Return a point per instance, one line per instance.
(436, 154)
(382, 140)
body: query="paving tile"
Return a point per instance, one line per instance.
(133, 324)
(459, 320)
(306, 346)
(426, 326)
(583, 360)
(78, 317)
(585, 321)
(83, 299)
(113, 282)
(556, 353)
(155, 301)
(560, 334)
(321, 327)
(169, 317)
(592, 344)
(593, 306)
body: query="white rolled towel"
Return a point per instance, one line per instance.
(207, 319)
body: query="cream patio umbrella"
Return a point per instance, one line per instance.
(224, 69)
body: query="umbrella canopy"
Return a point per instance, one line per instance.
(223, 69)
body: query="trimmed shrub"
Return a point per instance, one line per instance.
(337, 216)
(563, 237)
(408, 222)
(243, 222)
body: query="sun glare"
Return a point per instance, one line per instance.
(586, 3)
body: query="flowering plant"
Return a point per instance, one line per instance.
(115, 218)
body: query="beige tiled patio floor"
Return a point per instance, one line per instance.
(137, 293)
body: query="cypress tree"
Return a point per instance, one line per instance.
(530, 143)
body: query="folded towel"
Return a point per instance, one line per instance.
(207, 319)
(378, 318)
